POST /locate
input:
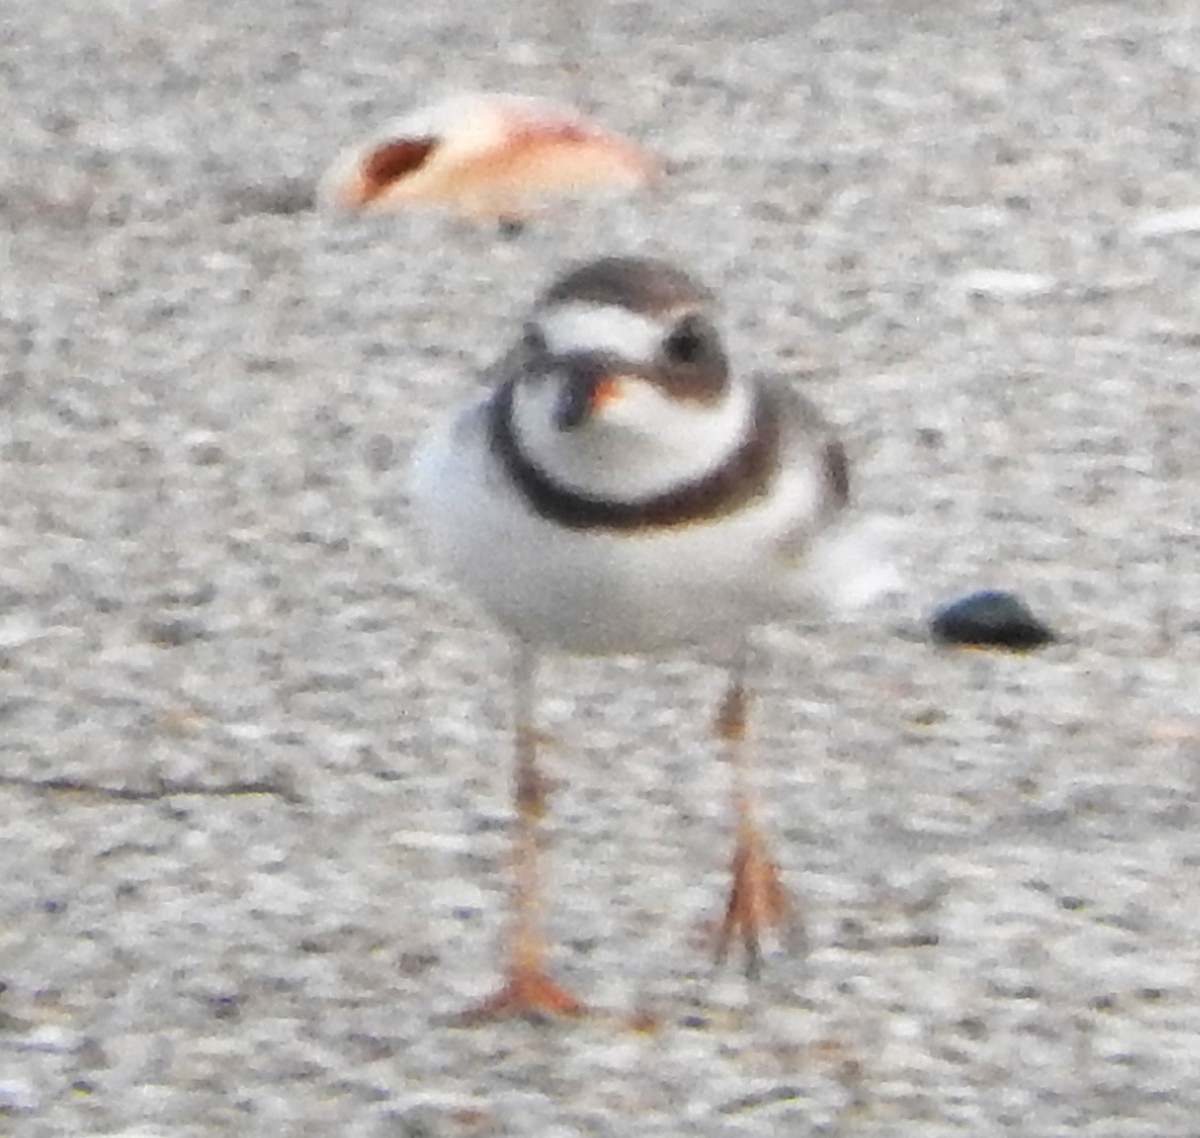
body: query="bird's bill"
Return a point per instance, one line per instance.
(587, 393)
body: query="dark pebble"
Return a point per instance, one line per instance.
(991, 619)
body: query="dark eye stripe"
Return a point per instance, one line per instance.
(693, 364)
(690, 341)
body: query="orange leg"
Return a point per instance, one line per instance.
(528, 989)
(758, 901)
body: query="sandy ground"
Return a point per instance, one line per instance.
(253, 762)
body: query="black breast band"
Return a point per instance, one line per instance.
(746, 475)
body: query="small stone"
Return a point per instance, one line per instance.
(172, 633)
(284, 198)
(1169, 223)
(17, 1096)
(991, 619)
(1005, 284)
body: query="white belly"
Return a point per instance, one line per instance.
(600, 592)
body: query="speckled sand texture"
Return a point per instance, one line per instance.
(253, 761)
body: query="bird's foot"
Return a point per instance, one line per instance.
(528, 993)
(757, 903)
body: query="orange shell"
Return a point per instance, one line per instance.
(485, 156)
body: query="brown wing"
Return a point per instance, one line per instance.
(809, 443)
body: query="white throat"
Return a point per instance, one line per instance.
(644, 445)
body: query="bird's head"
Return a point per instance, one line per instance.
(622, 387)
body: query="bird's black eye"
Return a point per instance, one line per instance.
(533, 339)
(689, 342)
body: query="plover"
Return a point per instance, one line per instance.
(620, 489)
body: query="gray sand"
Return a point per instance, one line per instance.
(253, 779)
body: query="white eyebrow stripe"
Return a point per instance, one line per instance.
(578, 326)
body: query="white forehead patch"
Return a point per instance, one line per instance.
(582, 327)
